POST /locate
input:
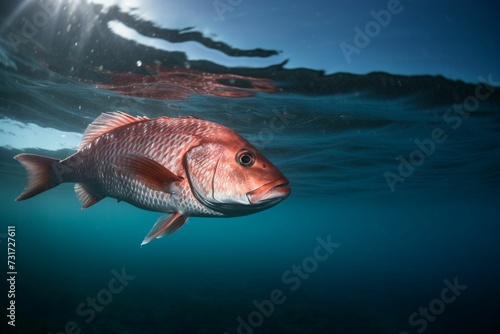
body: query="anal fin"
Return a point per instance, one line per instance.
(164, 226)
(85, 197)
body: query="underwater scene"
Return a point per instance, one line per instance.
(234, 166)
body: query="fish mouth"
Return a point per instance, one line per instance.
(275, 191)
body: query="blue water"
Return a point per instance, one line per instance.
(380, 235)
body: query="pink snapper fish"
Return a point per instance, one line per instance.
(185, 166)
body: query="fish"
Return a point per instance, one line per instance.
(182, 166)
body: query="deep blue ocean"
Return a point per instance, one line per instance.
(392, 225)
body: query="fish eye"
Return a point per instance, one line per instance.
(245, 158)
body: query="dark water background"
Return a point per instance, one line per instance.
(338, 138)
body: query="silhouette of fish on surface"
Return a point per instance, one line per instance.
(184, 166)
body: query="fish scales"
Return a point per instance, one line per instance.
(98, 165)
(183, 166)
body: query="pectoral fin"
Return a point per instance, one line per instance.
(164, 226)
(152, 173)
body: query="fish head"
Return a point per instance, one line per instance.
(232, 177)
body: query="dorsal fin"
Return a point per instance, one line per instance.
(189, 117)
(105, 123)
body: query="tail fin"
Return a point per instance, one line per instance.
(41, 174)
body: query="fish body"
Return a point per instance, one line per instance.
(184, 166)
